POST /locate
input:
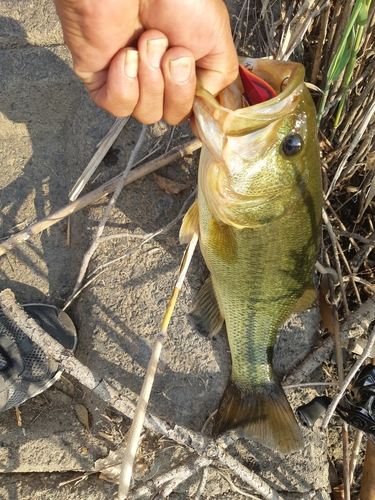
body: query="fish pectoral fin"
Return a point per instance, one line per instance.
(222, 241)
(308, 298)
(206, 310)
(190, 224)
(261, 413)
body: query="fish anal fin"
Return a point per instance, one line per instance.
(308, 298)
(190, 224)
(261, 413)
(222, 241)
(206, 310)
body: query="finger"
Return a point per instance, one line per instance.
(178, 67)
(219, 67)
(152, 46)
(116, 89)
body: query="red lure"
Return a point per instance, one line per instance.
(256, 89)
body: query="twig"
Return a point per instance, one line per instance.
(145, 237)
(356, 236)
(298, 27)
(150, 236)
(339, 221)
(357, 279)
(96, 194)
(349, 270)
(369, 70)
(184, 473)
(340, 366)
(345, 460)
(349, 377)
(337, 260)
(237, 32)
(236, 488)
(174, 477)
(202, 483)
(140, 412)
(355, 325)
(96, 241)
(355, 454)
(205, 447)
(310, 384)
(102, 150)
(368, 481)
(353, 144)
(319, 48)
(170, 138)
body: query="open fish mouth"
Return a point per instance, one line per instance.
(229, 114)
(230, 125)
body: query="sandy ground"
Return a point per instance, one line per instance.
(49, 130)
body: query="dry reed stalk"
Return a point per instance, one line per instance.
(368, 477)
(95, 195)
(107, 212)
(140, 411)
(102, 150)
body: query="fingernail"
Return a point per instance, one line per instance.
(131, 63)
(180, 69)
(155, 51)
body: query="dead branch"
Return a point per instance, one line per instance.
(39, 226)
(96, 241)
(236, 488)
(202, 484)
(337, 260)
(167, 482)
(145, 237)
(348, 379)
(204, 446)
(355, 325)
(355, 454)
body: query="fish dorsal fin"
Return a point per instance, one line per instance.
(206, 310)
(190, 224)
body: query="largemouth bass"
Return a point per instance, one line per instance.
(258, 213)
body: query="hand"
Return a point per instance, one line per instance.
(142, 57)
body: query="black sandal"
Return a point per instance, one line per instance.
(25, 370)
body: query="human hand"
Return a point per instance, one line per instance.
(142, 57)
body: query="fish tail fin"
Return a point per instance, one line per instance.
(261, 413)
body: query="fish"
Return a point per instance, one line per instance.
(258, 215)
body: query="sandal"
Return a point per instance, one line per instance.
(25, 370)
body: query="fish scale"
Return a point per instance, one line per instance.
(265, 287)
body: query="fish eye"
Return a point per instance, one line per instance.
(292, 145)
